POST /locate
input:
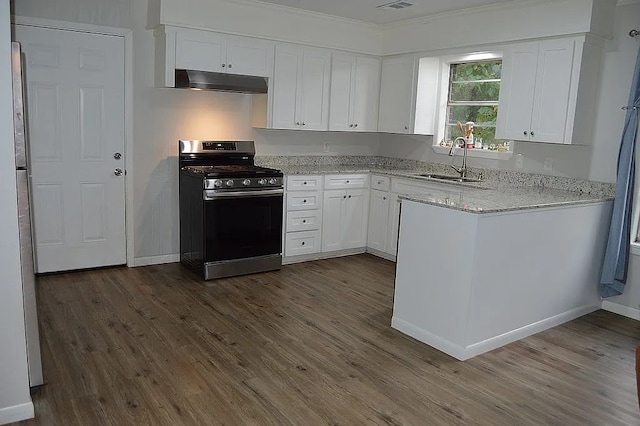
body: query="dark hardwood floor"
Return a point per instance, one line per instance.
(310, 344)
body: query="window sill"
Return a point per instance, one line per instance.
(480, 153)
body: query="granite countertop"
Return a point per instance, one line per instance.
(473, 197)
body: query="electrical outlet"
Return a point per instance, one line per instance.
(519, 161)
(548, 164)
(327, 147)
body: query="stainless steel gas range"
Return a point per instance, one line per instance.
(230, 210)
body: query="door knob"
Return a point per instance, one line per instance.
(118, 172)
(117, 156)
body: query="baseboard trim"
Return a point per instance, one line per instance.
(320, 256)
(381, 254)
(463, 353)
(16, 413)
(155, 260)
(619, 309)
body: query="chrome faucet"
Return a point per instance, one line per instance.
(463, 168)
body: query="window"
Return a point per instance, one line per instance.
(469, 92)
(473, 93)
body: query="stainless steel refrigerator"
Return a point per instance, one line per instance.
(24, 220)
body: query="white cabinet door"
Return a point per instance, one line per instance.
(332, 219)
(536, 91)
(313, 86)
(200, 50)
(285, 98)
(517, 91)
(394, 224)
(378, 220)
(397, 95)
(249, 56)
(366, 98)
(342, 91)
(355, 93)
(301, 88)
(553, 87)
(355, 218)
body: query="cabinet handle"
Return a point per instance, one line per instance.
(379, 182)
(224, 65)
(304, 221)
(349, 196)
(347, 181)
(344, 196)
(350, 125)
(230, 65)
(406, 127)
(303, 243)
(525, 133)
(304, 124)
(384, 198)
(304, 201)
(355, 125)
(532, 133)
(304, 183)
(297, 123)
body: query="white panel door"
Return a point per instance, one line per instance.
(366, 97)
(517, 92)
(553, 87)
(342, 87)
(314, 86)
(397, 95)
(75, 97)
(285, 98)
(355, 219)
(201, 50)
(249, 56)
(332, 219)
(378, 220)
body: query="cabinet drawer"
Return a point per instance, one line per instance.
(298, 243)
(304, 200)
(303, 183)
(381, 183)
(416, 188)
(304, 220)
(346, 181)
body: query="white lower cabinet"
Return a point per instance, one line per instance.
(378, 220)
(344, 219)
(303, 215)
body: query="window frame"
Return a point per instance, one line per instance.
(443, 99)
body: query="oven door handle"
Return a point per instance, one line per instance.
(213, 195)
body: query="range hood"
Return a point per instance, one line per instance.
(191, 79)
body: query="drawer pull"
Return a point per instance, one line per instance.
(379, 182)
(344, 196)
(304, 221)
(304, 201)
(384, 198)
(347, 181)
(303, 243)
(304, 183)
(349, 196)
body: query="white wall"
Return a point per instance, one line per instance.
(15, 401)
(112, 13)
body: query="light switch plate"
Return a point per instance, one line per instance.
(548, 164)
(327, 147)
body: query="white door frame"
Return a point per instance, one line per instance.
(127, 34)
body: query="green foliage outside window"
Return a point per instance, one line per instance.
(474, 89)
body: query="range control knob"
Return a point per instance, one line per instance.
(229, 183)
(217, 183)
(262, 181)
(272, 181)
(246, 182)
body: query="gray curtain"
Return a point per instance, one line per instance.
(616, 259)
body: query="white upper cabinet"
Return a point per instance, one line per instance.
(181, 48)
(355, 90)
(397, 94)
(300, 97)
(548, 91)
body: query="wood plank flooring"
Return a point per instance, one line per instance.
(308, 345)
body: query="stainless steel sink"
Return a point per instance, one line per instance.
(449, 178)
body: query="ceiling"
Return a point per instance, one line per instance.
(368, 11)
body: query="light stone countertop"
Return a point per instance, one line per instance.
(481, 197)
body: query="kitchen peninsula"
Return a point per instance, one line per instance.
(496, 267)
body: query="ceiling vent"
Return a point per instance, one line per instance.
(394, 5)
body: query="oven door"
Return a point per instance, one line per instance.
(242, 224)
